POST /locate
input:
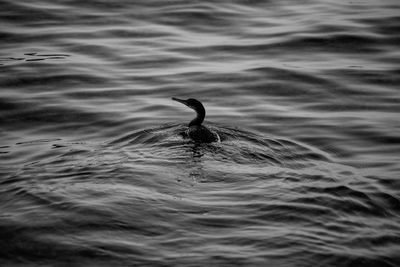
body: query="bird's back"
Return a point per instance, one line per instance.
(201, 134)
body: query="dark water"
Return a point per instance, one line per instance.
(304, 94)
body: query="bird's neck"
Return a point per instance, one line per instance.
(200, 114)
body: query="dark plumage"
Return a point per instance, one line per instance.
(196, 131)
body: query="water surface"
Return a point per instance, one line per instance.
(94, 171)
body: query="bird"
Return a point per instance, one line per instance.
(197, 132)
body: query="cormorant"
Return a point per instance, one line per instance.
(196, 131)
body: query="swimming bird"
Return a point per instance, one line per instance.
(196, 131)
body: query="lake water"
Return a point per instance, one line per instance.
(304, 94)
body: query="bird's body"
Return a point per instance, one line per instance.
(201, 134)
(196, 131)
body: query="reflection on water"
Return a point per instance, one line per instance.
(95, 172)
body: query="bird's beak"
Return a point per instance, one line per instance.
(180, 100)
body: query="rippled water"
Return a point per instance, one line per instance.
(304, 94)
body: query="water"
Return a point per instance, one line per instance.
(304, 94)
